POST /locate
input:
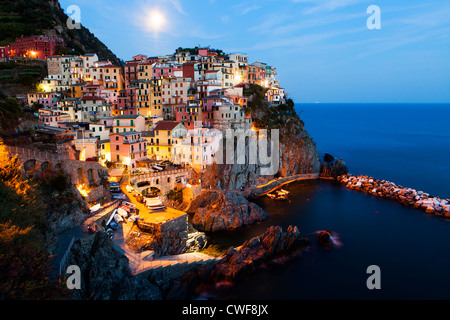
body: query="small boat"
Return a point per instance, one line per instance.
(277, 196)
(154, 203)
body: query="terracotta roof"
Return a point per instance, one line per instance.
(166, 125)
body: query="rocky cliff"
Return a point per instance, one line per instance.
(35, 17)
(273, 243)
(297, 151)
(224, 210)
(239, 263)
(333, 168)
(105, 272)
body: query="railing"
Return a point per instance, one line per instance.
(145, 176)
(66, 255)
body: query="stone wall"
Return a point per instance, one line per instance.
(191, 193)
(170, 237)
(97, 194)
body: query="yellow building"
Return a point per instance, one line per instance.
(104, 147)
(165, 136)
(148, 97)
(113, 78)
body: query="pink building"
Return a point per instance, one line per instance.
(92, 90)
(39, 47)
(47, 99)
(131, 71)
(127, 147)
(165, 70)
(203, 52)
(126, 103)
(4, 52)
(189, 113)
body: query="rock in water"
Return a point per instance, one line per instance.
(324, 238)
(328, 158)
(332, 168)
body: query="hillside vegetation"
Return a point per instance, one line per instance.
(25, 264)
(35, 17)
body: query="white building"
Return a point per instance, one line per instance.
(199, 148)
(227, 115)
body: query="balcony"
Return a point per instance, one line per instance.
(132, 141)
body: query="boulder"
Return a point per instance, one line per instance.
(224, 210)
(333, 168)
(324, 238)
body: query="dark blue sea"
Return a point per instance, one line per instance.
(408, 144)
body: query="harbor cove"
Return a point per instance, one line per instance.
(407, 243)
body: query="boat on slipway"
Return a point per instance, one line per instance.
(278, 194)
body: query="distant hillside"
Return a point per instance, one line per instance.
(34, 17)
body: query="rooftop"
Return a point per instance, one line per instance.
(166, 125)
(126, 116)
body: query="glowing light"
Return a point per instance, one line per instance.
(83, 190)
(127, 161)
(44, 87)
(238, 78)
(33, 53)
(156, 20)
(83, 155)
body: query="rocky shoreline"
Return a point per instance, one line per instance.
(106, 273)
(239, 263)
(389, 190)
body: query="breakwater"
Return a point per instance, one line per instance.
(389, 190)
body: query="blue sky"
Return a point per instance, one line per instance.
(322, 49)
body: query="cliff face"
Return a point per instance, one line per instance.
(297, 154)
(105, 272)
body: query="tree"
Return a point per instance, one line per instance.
(10, 112)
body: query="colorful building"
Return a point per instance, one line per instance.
(127, 147)
(189, 113)
(36, 47)
(166, 134)
(127, 123)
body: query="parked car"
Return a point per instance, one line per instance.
(119, 196)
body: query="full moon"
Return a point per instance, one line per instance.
(156, 20)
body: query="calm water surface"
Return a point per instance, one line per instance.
(406, 144)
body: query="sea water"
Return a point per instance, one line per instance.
(408, 144)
